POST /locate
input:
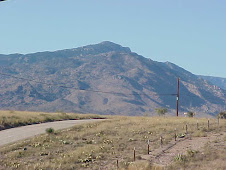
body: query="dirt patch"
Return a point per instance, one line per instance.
(165, 155)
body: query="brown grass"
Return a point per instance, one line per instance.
(212, 157)
(100, 145)
(9, 119)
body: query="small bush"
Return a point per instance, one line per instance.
(50, 130)
(161, 111)
(221, 115)
(180, 158)
(191, 153)
(190, 114)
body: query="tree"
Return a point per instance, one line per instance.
(221, 115)
(161, 111)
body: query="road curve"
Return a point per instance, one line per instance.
(19, 133)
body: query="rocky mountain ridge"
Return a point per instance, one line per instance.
(111, 79)
(218, 81)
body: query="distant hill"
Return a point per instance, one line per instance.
(218, 81)
(112, 79)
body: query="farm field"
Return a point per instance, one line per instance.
(101, 145)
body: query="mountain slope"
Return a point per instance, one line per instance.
(138, 85)
(218, 81)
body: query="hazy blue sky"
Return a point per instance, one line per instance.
(188, 33)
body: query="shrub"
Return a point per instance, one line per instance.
(50, 130)
(190, 114)
(180, 158)
(161, 111)
(222, 115)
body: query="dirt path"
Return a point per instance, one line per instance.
(19, 133)
(164, 156)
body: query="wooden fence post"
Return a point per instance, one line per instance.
(148, 146)
(134, 154)
(208, 124)
(175, 135)
(186, 128)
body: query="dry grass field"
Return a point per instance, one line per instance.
(100, 145)
(9, 119)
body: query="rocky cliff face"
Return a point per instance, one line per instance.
(105, 78)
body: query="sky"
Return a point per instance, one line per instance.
(190, 33)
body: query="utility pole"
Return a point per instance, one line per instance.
(178, 83)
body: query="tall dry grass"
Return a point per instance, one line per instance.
(100, 145)
(9, 119)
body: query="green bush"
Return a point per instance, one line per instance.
(221, 115)
(161, 111)
(50, 130)
(190, 114)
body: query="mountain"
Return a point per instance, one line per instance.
(111, 79)
(218, 81)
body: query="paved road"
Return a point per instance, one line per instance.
(19, 133)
